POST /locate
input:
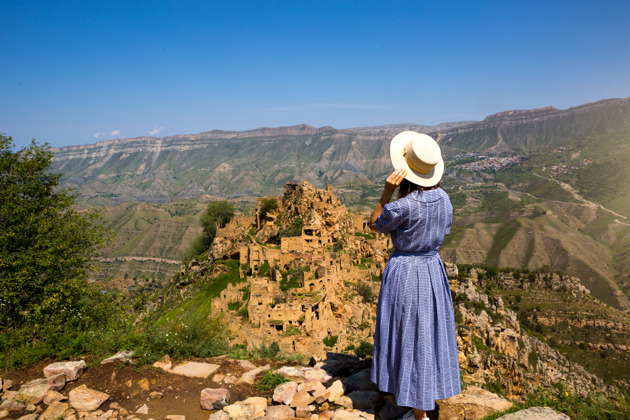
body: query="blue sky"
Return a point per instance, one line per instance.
(76, 72)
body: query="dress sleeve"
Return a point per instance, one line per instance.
(390, 218)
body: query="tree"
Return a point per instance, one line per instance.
(46, 246)
(217, 213)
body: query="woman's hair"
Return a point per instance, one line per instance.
(407, 187)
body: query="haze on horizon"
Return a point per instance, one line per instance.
(76, 73)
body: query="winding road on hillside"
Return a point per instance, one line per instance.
(568, 188)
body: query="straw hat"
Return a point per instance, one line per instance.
(420, 155)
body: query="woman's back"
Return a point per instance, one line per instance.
(417, 222)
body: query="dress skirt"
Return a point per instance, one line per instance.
(415, 346)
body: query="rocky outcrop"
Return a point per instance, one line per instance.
(312, 269)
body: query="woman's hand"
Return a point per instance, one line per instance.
(394, 179)
(391, 183)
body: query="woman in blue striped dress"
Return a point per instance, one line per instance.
(415, 346)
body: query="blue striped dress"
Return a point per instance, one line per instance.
(415, 347)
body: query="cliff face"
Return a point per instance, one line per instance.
(261, 161)
(529, 130)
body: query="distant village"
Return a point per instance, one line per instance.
(481, 162)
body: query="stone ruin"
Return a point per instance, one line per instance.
(303, 290)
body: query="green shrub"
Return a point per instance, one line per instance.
(270, 380)
(365, 349)
(365, 291)
(330, 341)
(268, 205)
(291, 330)
(263, 270)
(294, 229)
(266, 352)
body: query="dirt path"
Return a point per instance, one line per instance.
(568, 188)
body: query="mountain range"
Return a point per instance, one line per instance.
(543, 188)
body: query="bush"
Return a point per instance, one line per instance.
(268, 205)
(294, 229)
(364, 350)
(270, 380)
(330, 341)
(365, 291)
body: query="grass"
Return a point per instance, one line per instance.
(574, 406)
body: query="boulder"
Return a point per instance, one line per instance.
(249, 377)
(31, 416)
(54, 411)
(344, 401)
(285, 392)
(35, 391)
(246, 364)
(390, 410)
(214, 398)
(53, 396)
(536, 413)
(301, 398)
(83, 398)
(304, 410)
(279, 412)
(360, 381)
(144, 409)
(352, 415)
(195, 369)
(326, 415)
(311, 386)
(72, 369)
(336, 390)
(144, 384)
(364, 400)
(219, 415)
(472, 403)
(306, 373)
(164, 363)
(122, 356)
(247, 410)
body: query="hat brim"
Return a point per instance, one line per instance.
(396, 148)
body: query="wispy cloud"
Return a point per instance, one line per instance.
(155, 130)
(304, 107)
(97, 134)
(115, 133)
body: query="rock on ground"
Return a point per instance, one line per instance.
(247, 410)
(54, 411)
(536, 413)
(124, 356)
(195, 369)
(83, 398)
(279, 412)
(214, 398)
(35, 391)
(473, 403)
(285, 392)
(72, 369)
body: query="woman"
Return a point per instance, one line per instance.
(415, 347)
